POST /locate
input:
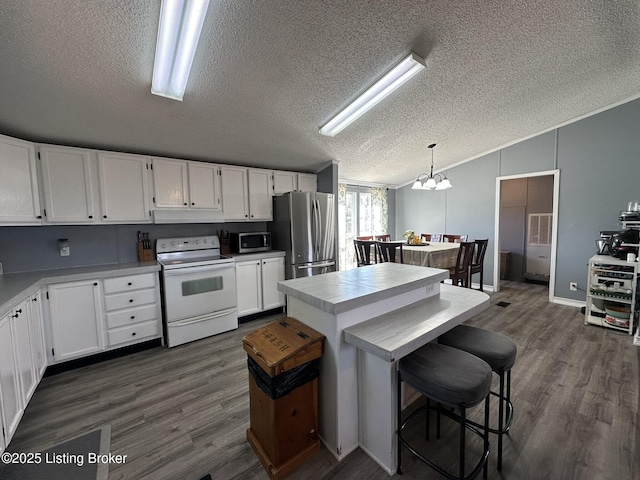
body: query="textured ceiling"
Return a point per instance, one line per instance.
(269, 73)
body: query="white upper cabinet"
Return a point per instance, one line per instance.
(260, 204)
(284, 182)
(235, 194)
(170, 183)
(67, 184)
(307, 182)
(124, 188)
(183, 184)
(19, 200)
(246, 193)
(204, 185)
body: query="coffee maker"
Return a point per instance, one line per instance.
(604, 241)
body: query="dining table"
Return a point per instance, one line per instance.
(431, 254)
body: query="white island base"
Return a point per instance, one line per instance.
(371, 317)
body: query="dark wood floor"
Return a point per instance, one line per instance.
(182, 413)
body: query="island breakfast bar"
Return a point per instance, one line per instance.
(371, 317)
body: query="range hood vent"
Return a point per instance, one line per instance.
(188, 216)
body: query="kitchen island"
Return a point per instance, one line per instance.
(371, 317)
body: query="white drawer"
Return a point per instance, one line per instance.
(131, 282)
(133, 333)
(130, 299)
(130, 316)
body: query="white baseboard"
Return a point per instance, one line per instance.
(569, 301)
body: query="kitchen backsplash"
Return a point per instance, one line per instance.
(26, 249)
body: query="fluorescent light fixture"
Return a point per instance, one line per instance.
(397, 76)
(178, 34)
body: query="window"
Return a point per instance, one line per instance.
(362, 211)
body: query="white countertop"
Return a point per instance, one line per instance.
(398, 333)
(15, 286)
(339, 292)
(242, 257)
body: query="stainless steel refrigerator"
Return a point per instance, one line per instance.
(304, 226)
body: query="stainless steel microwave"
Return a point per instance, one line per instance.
(250, 242)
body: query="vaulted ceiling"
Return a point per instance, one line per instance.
(268, 73)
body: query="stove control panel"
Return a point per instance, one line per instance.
(187, 244)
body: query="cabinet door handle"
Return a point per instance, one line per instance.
(15, 316)
(90, 216)
(95, 284)
(132, 317)
(19, 310)
(185, 203)
(35, 299)
(104, 216)
(129, 283)
(131, 300)
(133, 334)
(192, 203)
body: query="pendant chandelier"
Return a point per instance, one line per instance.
(439, 181)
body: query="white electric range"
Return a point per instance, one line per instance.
(198, 288)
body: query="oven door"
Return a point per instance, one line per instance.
(194, 291)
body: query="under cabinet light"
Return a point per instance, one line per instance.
(178, 34)
(397, 76)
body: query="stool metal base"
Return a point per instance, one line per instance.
(482, 432)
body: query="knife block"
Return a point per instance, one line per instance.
(144, 254)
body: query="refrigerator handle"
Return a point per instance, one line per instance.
(316, 233)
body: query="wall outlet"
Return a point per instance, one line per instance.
(573, 286)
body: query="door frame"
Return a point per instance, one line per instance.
(554, 235)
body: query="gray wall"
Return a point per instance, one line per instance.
(599, 162)
(25, 249)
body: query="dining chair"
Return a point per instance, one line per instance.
(387, 251)
(382, 238)
(460, 274)
(369, 237)
(477, 264)
(366, 252)
(454, 238)
(431, 237)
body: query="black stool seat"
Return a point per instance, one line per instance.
(453, 378)
(447, 375)
(498, 350)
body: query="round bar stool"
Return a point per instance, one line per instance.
(455, 379)
(499, 351)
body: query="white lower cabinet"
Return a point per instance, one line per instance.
(96, 315)
(37, 334)
(249, 287)
(257, 284)
(272, 272)
(132, 307)
(11, 403)
(21, 330)
(75, 311)
(22, 362)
